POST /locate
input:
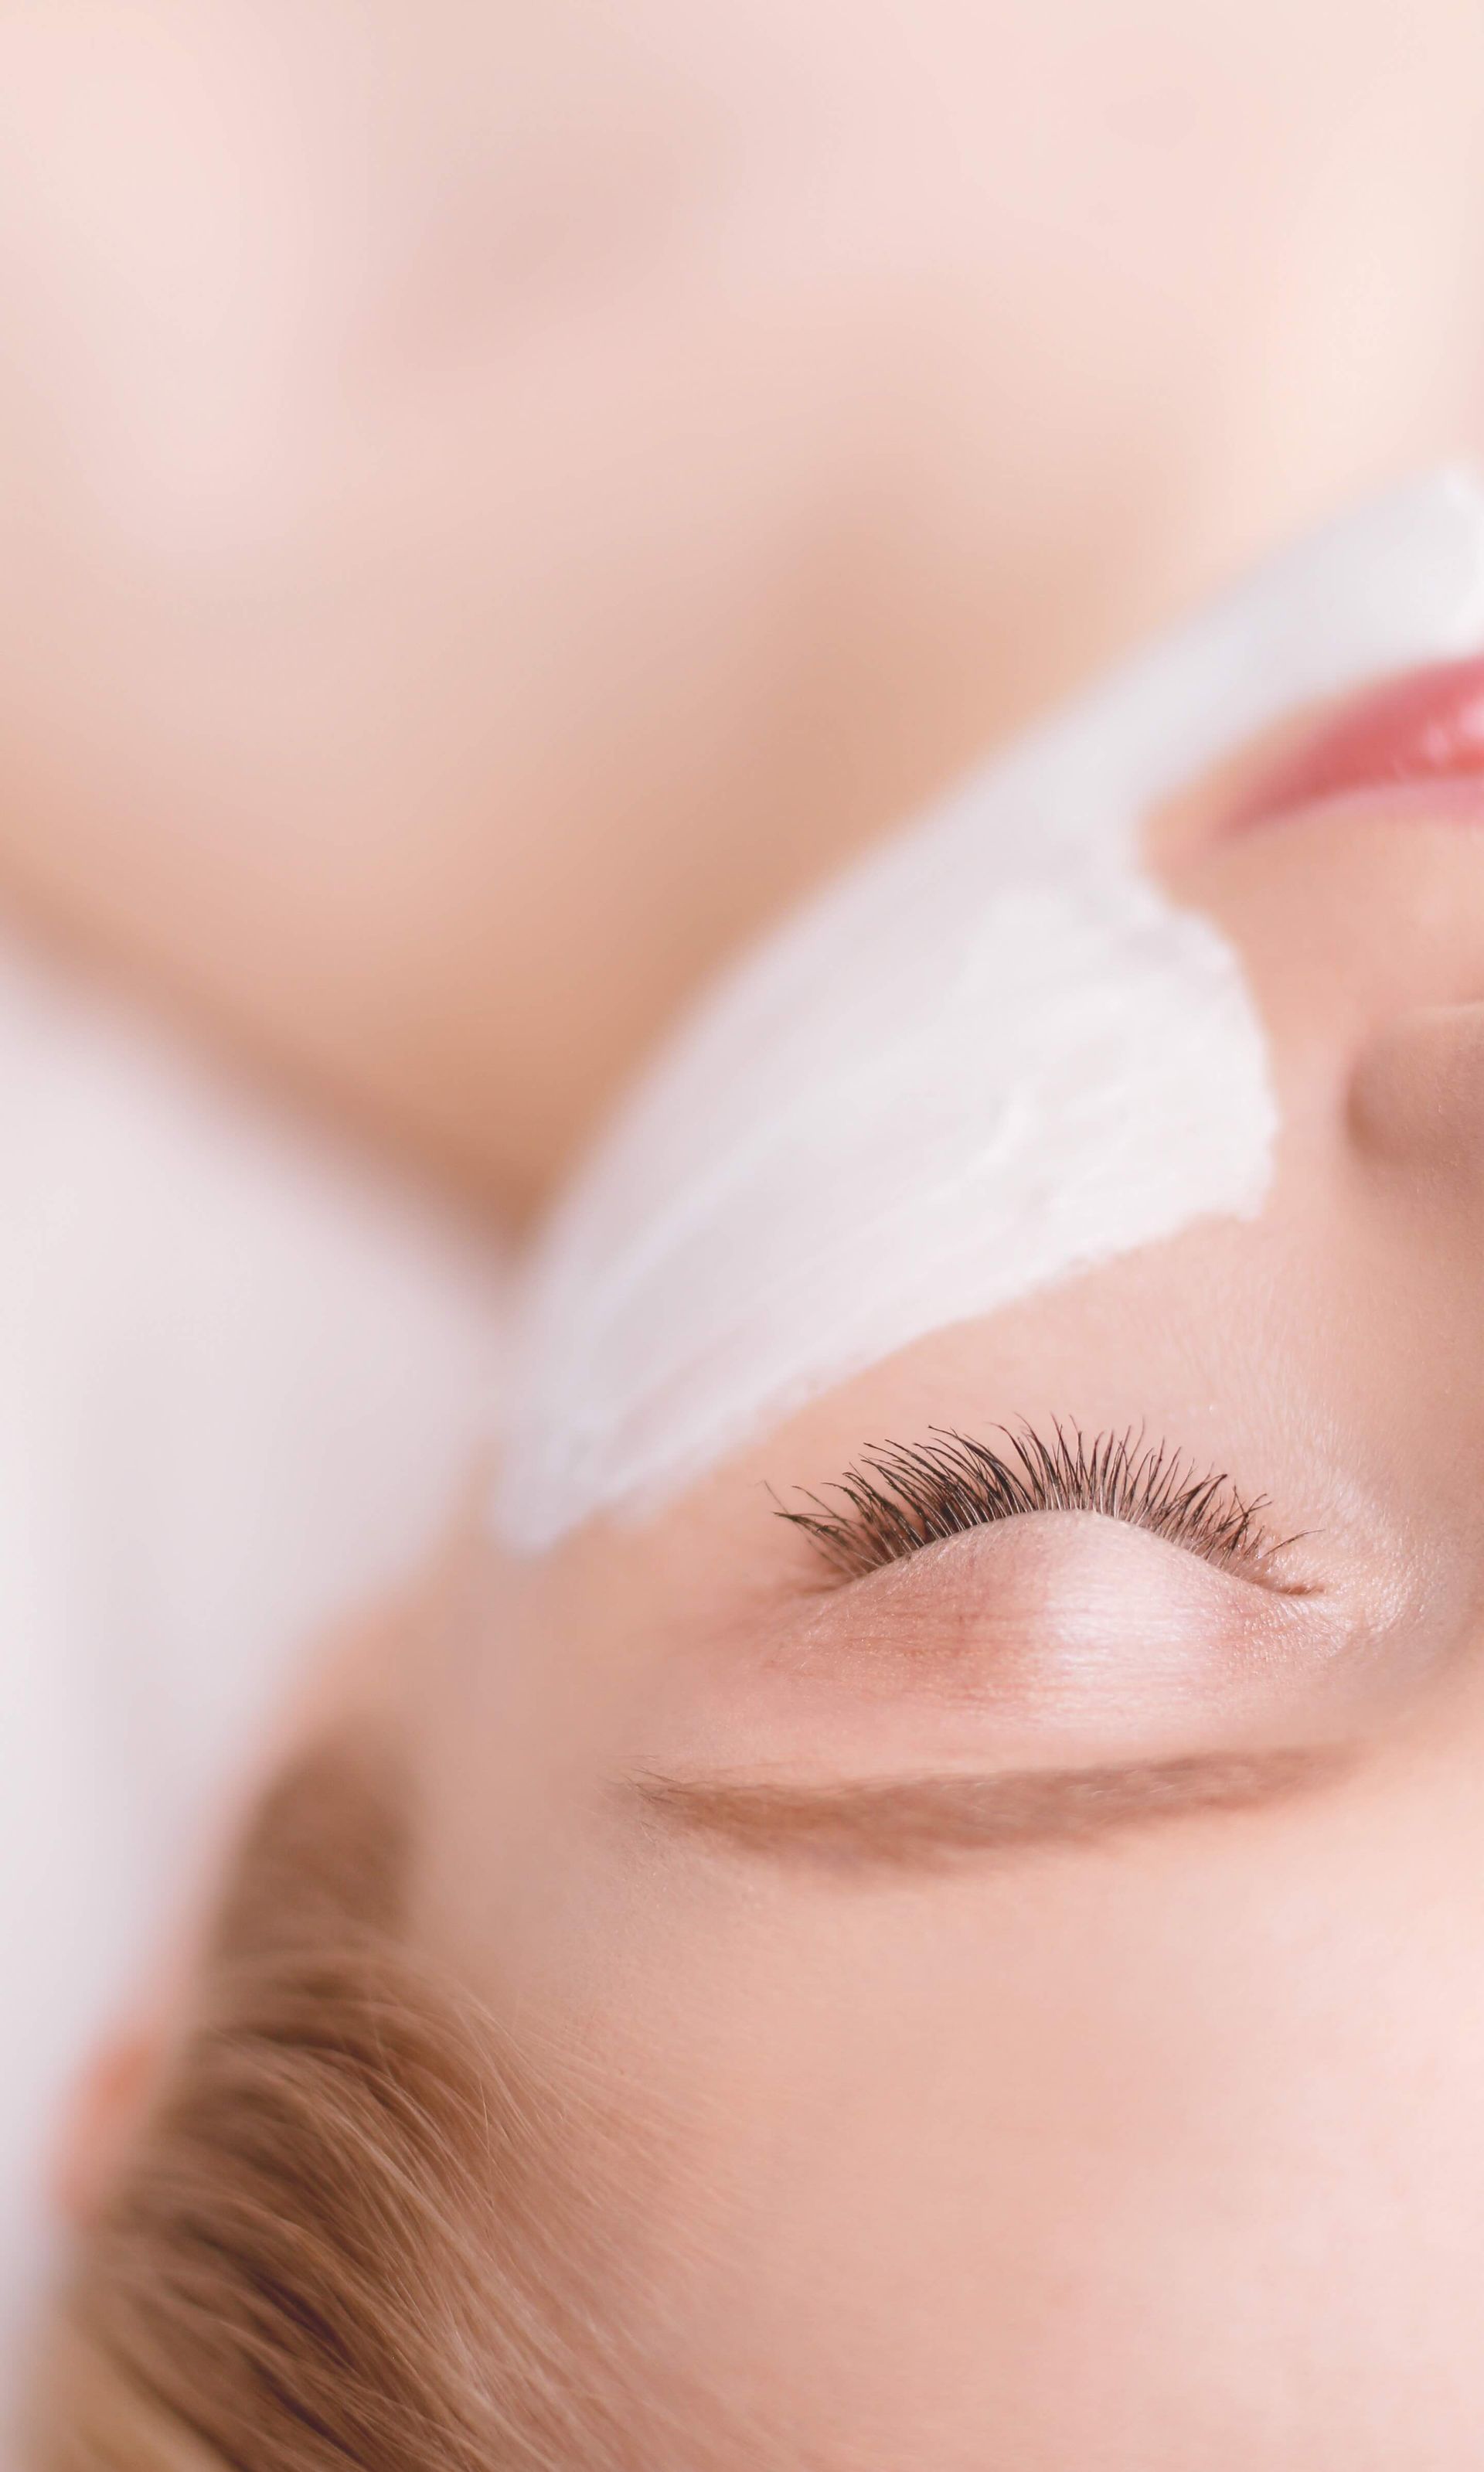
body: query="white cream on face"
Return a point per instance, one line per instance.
(991, 1055)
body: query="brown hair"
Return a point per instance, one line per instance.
(353, 2232)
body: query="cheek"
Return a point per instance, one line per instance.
(1172, 2158)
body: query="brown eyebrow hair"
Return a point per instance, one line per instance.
(926, 1822)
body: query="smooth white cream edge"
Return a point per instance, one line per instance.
(990, 1055)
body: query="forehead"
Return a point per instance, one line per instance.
(1093, 2178)
(1072, 2153)
(1078, 2160)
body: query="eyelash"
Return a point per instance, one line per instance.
(899, 1498)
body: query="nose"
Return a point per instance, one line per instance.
(1415, 1100)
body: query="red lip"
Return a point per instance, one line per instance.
(1423, 732)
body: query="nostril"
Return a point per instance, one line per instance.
(1417, 1093)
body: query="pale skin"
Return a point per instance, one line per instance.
(498, 500)
(1146, 2153)
(1141, 2131)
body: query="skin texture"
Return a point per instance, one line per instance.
(350, 704)
(1073, 2056)
(1138, 2132)
(499, 499)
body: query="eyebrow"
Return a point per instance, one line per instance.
(926, 1822)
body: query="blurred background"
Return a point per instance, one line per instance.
(496, 497)
(495, 500)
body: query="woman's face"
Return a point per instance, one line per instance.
(1051, 1959)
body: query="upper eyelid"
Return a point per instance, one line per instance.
(898, 1499)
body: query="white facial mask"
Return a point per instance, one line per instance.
(989, 1057)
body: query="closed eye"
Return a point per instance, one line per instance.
(899, 1498)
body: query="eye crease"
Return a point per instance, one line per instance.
(900, 1497)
